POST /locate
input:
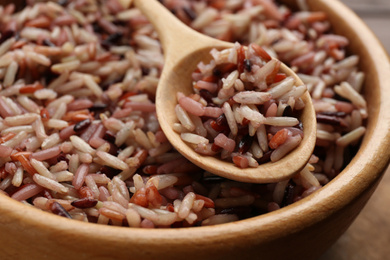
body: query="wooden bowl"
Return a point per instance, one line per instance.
(303, 230)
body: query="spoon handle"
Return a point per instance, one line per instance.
(178, 40)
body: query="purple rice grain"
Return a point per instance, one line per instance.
(6, 35)
(248, 65)
(84, 203)
(190, 13)
(109, 136)
(97, 107)
(266, 157)
(329, 120)
(47, 42)
(204, 93)
(288, 111)
(245, 143)
(108, 171)
(63, 2)
(82, 125)
(336, 114)
(57, 209)
(289, 194)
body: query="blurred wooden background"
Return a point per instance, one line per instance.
(376, 13)
(368, 238)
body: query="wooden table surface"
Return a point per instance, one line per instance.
(368, 238)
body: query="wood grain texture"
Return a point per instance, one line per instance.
(368, 238)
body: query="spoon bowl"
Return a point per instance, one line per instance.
(183, 49)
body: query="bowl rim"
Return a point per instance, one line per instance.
(365, 168)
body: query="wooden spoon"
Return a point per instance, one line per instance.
(183, 49)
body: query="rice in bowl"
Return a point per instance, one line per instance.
(79, 135)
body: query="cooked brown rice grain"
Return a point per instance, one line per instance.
(112, 214)
(50, 184)
(41, 169)
(80, 174)
(24, 119)
(350, 137)
(308, 179)
(81, 145)
(166, 218)
(347, 91)
(18, 129)
(144, 212)
(193, 138)
(186, 205)
(184, 118)
(133, 217)
(281, 121)
(17, 179)
(28, 191)
(121, 187)
(17, 139)
(279, 191)
(63, 176)
(6, 182)
(11, 74)
(227, 110)
(290, 144)
(112, 161)
(164, 181)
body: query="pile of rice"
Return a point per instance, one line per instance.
(244, 109)
(79, 133)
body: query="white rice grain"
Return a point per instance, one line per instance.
(63, 176)
(350, 137)
(17, 139)
(282, 87)
(18, 120)
(50, 184)
(6, 45)
(186, 205)
(81, 145)
(17, 179)
(93, 86)
(142, 139)
(65, 66)
(252, 97)
(285, 148)
(11, 74)
(184, 118)
(56, 124)
(51, 141)
(41, 169)
(133, 217)
(347, 91)
(112, 161)
(281, 121)
(164, 181)
(194, 138)
(28, 104)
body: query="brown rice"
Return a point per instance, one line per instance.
(79, 133)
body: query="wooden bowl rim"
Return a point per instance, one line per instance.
(364, 169)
